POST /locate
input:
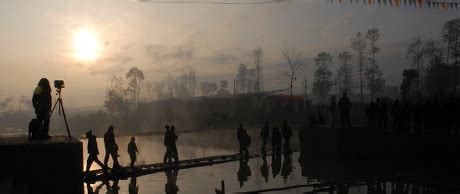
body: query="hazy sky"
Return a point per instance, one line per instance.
(36, 39)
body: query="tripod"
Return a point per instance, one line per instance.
(61, 107)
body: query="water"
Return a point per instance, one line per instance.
(256, 175)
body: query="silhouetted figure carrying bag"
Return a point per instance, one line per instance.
(41, 100)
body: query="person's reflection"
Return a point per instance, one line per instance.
(276, 164)
(90, 190)
(171, 179)
(133, 188)
(111, 189)
(264, 168)
(244, 172)
(287, 165)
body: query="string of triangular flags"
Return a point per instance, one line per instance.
(444, 5)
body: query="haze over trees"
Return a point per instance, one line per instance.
(373, 36)
(344, 79)
(359, 46)
(322, 83)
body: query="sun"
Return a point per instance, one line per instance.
(86, 45)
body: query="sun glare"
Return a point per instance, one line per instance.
(86, 45)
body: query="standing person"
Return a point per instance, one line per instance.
(344, 108)
(41, 101)
(276, 140)
(332, 110)
(132, 150)
(264, 134)
(287, 134)
(93, 151)
(166, 143)
(111, 147)
(242, 135)
(174, 137)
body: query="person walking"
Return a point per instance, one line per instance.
(264, 134)
(132, 151)
(287, 134)
(111, 148)
(93, 151)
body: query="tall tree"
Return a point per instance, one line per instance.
(135, 77)
(451, 35)
(323, 76)
(344, 78)
(415, 53)
(258, 54)
(295, 60)
(241, 79)
(375, 80)
(359, 46)
(373, 36)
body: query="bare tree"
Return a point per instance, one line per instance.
(373, 35)
(322, 83)
(135, 77)
(208, 88)
(258, 54)
(344, 78)
(359, 46)
(295, 60)
(241, 80)
(415, 53)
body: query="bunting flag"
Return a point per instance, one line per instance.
(430, 4)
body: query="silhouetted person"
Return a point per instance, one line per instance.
(396, 114)
(276, 140)
(264, 168)
(111, 148)
(313, 120)
(244, 172)
(166, 143)
(93, 151)
(174, 138)
(332, 109)
(171, 179)
(287, 134)
(301, 134)
(344, 108)
(133, 188)
(244, 140)
(370, 112)
(132, 151)
(265, 135)
(41, 101)
(378, 115)
(170, 143)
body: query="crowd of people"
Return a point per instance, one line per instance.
(430, 115)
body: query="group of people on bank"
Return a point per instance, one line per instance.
(430, 115)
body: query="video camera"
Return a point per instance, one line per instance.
(59, 84)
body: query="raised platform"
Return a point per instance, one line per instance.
(49, 166)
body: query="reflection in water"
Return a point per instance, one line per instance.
(276, 164)
(133, 188)
(90, 190)
(244, 172)
(171, 179)
(264, 168)
(287, 166)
